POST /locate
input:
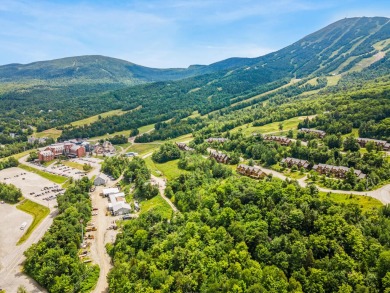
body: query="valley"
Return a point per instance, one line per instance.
(266, 174)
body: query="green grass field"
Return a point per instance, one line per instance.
(293, 175)
(95, 118)
(124, 132)
(169, 169)
(146, 128)
(288, 124)
(39, 212)
(143, 148)
(354, 133)
(51, 133)
(184, 138)
(333, 80)
(158, 205)
(52, 177)
(366, 203)
(73, 165)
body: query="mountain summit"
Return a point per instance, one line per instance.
(335, 48)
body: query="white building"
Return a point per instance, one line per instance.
(108, 191)
(118, 204)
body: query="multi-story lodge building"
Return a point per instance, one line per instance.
(184, 147)
(251, 171)
(67, 148)
(382, 144)
(299, 163)
(318, 133)
(337, 171)
(219, 157)
(279, 139)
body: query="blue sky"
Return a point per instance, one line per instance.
(165, 33)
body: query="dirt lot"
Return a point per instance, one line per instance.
(32, 183)
(10, 231)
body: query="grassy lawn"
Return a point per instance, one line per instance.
(73, 165)
(288, 124)
(143, 148)
(366, 203)
(354, 133)
(333, 80)
(158, 205)
(124, 132)
(183, 138)
(293, 174)
(169, 169)
(145, 128)
(95, 118)
(52, 177)
(39, 212)
(51, 133)
(124, 145)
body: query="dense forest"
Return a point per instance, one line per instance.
(241, 235)
(54, 261)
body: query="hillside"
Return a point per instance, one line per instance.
(89, 69)
(321, 52)
(94, 69)
(315, 55)
(342, 47)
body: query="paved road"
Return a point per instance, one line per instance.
(10, 275)
(382, 194)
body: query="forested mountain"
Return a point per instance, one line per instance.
(342, 47)
(323, 50)
(91, 69)
(317, 54)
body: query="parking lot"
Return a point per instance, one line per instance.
(10, 231)
(33, 186)
(66, 171)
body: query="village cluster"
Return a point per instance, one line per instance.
(74, 149)
(322, 169)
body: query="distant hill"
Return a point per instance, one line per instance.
(54, 93)
(332, 49)
(100, 69)
(84, 69)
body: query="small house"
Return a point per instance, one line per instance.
(101, 179)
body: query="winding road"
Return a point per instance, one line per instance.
(382, 194)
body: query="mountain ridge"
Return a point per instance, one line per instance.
(325, 50)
